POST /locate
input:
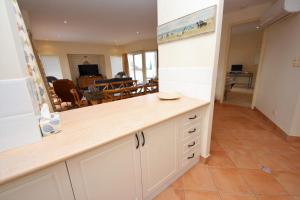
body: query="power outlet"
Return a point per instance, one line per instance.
(296, 63)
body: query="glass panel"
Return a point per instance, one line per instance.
(138, 61)
(151, 65)
(131, 66)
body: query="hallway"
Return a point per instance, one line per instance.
(242, 143)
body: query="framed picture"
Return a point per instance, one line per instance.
(202, 21)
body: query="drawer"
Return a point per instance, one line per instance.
(192, 130)
(189, 158)
(192, 117)
(191, 145)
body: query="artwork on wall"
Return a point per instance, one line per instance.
(202, 21)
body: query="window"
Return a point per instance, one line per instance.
(151, 64)
(143, 66)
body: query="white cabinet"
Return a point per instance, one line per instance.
(49, 184)
(158, 157)
(111, 172)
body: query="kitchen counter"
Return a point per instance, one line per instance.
(90, 127)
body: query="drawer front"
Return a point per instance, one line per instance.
(189, 157)
(192, 117)
(190, 131)
(191, 145)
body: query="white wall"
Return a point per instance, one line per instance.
(78, 59)
(245, 49)
(62, 49)
(143, 45)
(51, 66)
(279, 82)
(230, 19)
(190, 65)
(116, 65)
(18, 106)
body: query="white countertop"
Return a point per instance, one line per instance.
(90, 127)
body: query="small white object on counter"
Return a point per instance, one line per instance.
(49, 122)
(169, 95)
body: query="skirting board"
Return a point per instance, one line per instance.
(277, 130)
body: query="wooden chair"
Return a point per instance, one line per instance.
(62, 89)
(101, 86)
(79, 102)
(113, 95)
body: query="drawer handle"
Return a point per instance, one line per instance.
(138, 141)
(193, 131)
(194, 117)
(143, 139)
(192, 156)
(191, 145)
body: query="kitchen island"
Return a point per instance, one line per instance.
(114, 145)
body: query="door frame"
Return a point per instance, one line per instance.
(226, 63)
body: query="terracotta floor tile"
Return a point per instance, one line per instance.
(201, 195)
(290, 182)
(198, 178)
(215, 146)
(220, 159)
(171, 194)
(226, 196)
(275, 161)
(271, 197)
(178, 184)
(245, 159)
(229, 180)
(262, 183)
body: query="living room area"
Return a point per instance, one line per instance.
(85, 64)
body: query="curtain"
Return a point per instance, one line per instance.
(125, 64)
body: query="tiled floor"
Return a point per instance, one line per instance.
(242, 142)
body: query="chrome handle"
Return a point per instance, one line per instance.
(194, 117)
(193, 144)
(192, 156)
(193, 131)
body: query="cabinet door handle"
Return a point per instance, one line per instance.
(193, 131)
(138, 141)
(143, 139)
(194, 117)
(192, 156)
(191, 145)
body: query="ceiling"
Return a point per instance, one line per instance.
(234, 5)
(114, 22)
(246, 28)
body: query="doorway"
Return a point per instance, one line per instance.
(242, 63)
(143, 66)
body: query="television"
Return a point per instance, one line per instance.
(236, 68)
(88, 70)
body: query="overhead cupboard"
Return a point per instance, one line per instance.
(135, 167)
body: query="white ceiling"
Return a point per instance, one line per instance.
(100, 21)
(246, 28)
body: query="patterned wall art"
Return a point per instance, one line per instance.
(200, 22)
(32, 67)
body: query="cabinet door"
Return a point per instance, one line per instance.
(49, 184)
(159, 157)
(111, 172)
